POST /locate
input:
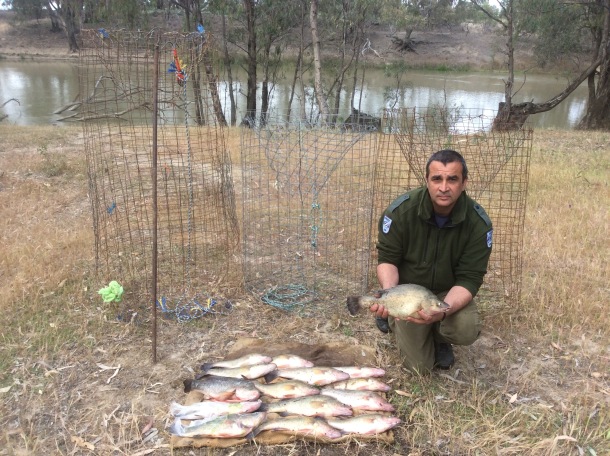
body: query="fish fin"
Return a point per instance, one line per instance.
(271, 376)
(188, 385)
(176, 428)
(174, 408)
(353, 304)
(253, 433)
(264, 407)
(227, 396)
(206, 366)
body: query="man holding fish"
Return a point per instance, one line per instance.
(437, 237)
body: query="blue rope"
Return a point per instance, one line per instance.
(288, 297)
(193, 309)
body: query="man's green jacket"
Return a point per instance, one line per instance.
(436, 258)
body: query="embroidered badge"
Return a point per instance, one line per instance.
(387, 222)
(489, 238)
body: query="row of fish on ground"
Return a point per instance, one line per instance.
(287, 394)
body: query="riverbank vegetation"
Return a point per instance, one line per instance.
(536, 382)
(525, 34)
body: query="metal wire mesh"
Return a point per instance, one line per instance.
(498, 164)
(197, 223)
(307, 192)
(310, 194)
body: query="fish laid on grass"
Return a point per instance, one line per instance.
(367, 424)
(360, 400)
(229, 426)
(211, 409)
(401, 301)
(319, 376)
(290, 362)
(287, 390)
(362, 372)
(308, 406)
(246, 360)
(300, 426)
(249, 372)
(362, 384)
(223, 388)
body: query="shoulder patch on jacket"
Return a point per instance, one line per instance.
(398, 201)
(482, 214)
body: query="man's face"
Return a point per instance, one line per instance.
(445, 185)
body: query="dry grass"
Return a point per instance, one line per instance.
(536, 383)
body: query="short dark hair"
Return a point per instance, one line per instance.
(447, 156)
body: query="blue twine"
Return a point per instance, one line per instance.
(288, 297)
(192, 309)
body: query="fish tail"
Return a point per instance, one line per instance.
(271, 376)
(353, 304)
(175, 408)
(176, 428)
(188, 385)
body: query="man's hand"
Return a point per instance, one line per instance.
(379, 311)
(426, 318)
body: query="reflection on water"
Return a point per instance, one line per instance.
(43, 87)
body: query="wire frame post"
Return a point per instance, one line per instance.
(155, 252)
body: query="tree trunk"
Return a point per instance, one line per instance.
(195, 80)
(294, 84)
(71, 23)
(302, 110)
(597, 116)
(320, 95)
(507, 118)
(213, 86)
(227, 59)
(55, 20)
(252, 63)
(514, 117)
(265, 84)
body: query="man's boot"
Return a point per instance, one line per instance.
(382, 324)
(443, 355)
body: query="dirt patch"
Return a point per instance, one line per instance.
(31, 39)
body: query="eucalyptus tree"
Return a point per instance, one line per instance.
(596, 16)
(227, 12)
(580, 28)
(192, 12)
(64, 14)
(321, 95)
(260, 30)
(340, 33)
(68, 15)
(275, 27)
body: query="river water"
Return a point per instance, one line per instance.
(43, 87)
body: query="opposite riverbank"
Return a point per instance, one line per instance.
(466, 48)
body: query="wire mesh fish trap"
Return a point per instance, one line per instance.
(197, 223)
(306, 193)
(498, 164)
